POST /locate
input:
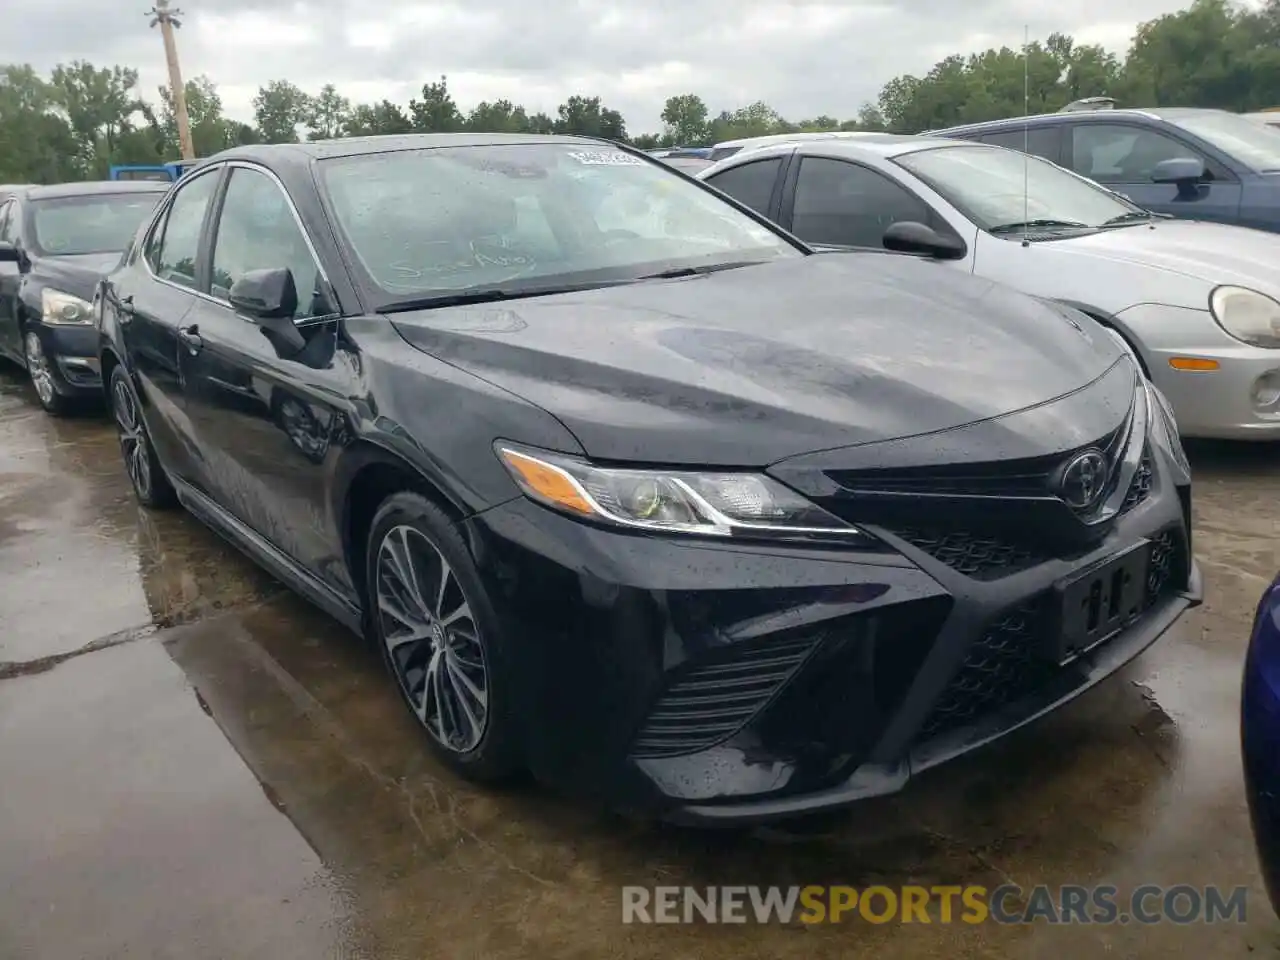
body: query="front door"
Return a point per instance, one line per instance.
(1122, 157)
(263, 415)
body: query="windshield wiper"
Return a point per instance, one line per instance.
(676, 272)
(1032, 224)
(1135, 216)
(491, 295)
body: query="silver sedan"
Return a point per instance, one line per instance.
(1199, 303)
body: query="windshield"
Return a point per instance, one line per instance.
(1255, 145)
(998, 188)
(99, 223)
(534, 215)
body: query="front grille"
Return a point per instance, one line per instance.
(973, 554)
(717, 696)
(1003, 666)
(1140, 486)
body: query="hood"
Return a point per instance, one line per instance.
(77, 275)
(749, 366)
(1210, 252)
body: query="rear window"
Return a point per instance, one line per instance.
(719, 153)
(97, 223)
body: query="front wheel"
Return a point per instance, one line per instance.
(150, 484)
(432, 619)
(40, 370)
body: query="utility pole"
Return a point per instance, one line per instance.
(168, 21)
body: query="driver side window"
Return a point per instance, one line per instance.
(844, 204)
(9, 221)
(1119, 153)
(257, 231)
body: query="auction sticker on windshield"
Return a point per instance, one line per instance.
(607, 158)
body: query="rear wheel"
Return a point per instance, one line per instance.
(151, 485)
(440, 637)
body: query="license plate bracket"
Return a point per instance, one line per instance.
(1096, 604)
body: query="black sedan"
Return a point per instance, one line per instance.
(56, 244)
(632, 489)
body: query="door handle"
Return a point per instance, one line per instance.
(190, 336)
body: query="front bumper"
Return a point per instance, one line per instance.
(1240, 399)
(73, 352)
(721, 683)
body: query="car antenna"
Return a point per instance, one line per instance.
(1026, 132)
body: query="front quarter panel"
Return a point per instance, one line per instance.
(439, 419)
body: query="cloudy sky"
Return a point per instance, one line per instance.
(804, 58)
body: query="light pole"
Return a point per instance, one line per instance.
(168, 21)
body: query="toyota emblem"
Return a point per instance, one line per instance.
(1084, 479)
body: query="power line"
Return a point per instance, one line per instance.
(168, 21)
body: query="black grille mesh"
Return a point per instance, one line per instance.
(716, 697)
(1140, 485)
(1003, 665)
(974, 555)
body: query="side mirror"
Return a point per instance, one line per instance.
(1186, 172)
(907, 236)
(270, 297)
(9, 253)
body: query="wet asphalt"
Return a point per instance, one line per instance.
(195, 764)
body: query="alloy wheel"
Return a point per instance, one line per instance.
(433, 640)
(38, 368)
(133, 438)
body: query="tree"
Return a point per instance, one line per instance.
(36, 142)
(384, 117)
(210, 130)
(686, 119)
(585, 117)
(329, 114)
(501, 116)
(279, 109)
(100, 105)
(436, 112)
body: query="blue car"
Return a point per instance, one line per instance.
(1260, 736)
(1191, 163)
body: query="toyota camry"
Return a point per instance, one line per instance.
(632, 489)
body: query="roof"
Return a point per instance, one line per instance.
(356, 146)
(1082, 116)
(90, 188)
(789, 137)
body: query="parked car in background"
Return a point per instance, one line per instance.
(1198, 302)
(1196, 164)
(729, 148)
(55, 244)
(629, 487)
(163, 172)
(1260, 736)
(690, 165)
(1269, 117)
(7, 190)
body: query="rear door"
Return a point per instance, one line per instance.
(1122, 157)
(152, 299)
(10, 278)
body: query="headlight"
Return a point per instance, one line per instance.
(59, 307)
(1249, 316)
(718, 504)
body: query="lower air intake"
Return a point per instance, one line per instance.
(714, 698)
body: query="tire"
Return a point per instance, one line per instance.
(43, 380)
(151, 486)
(466, 656)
